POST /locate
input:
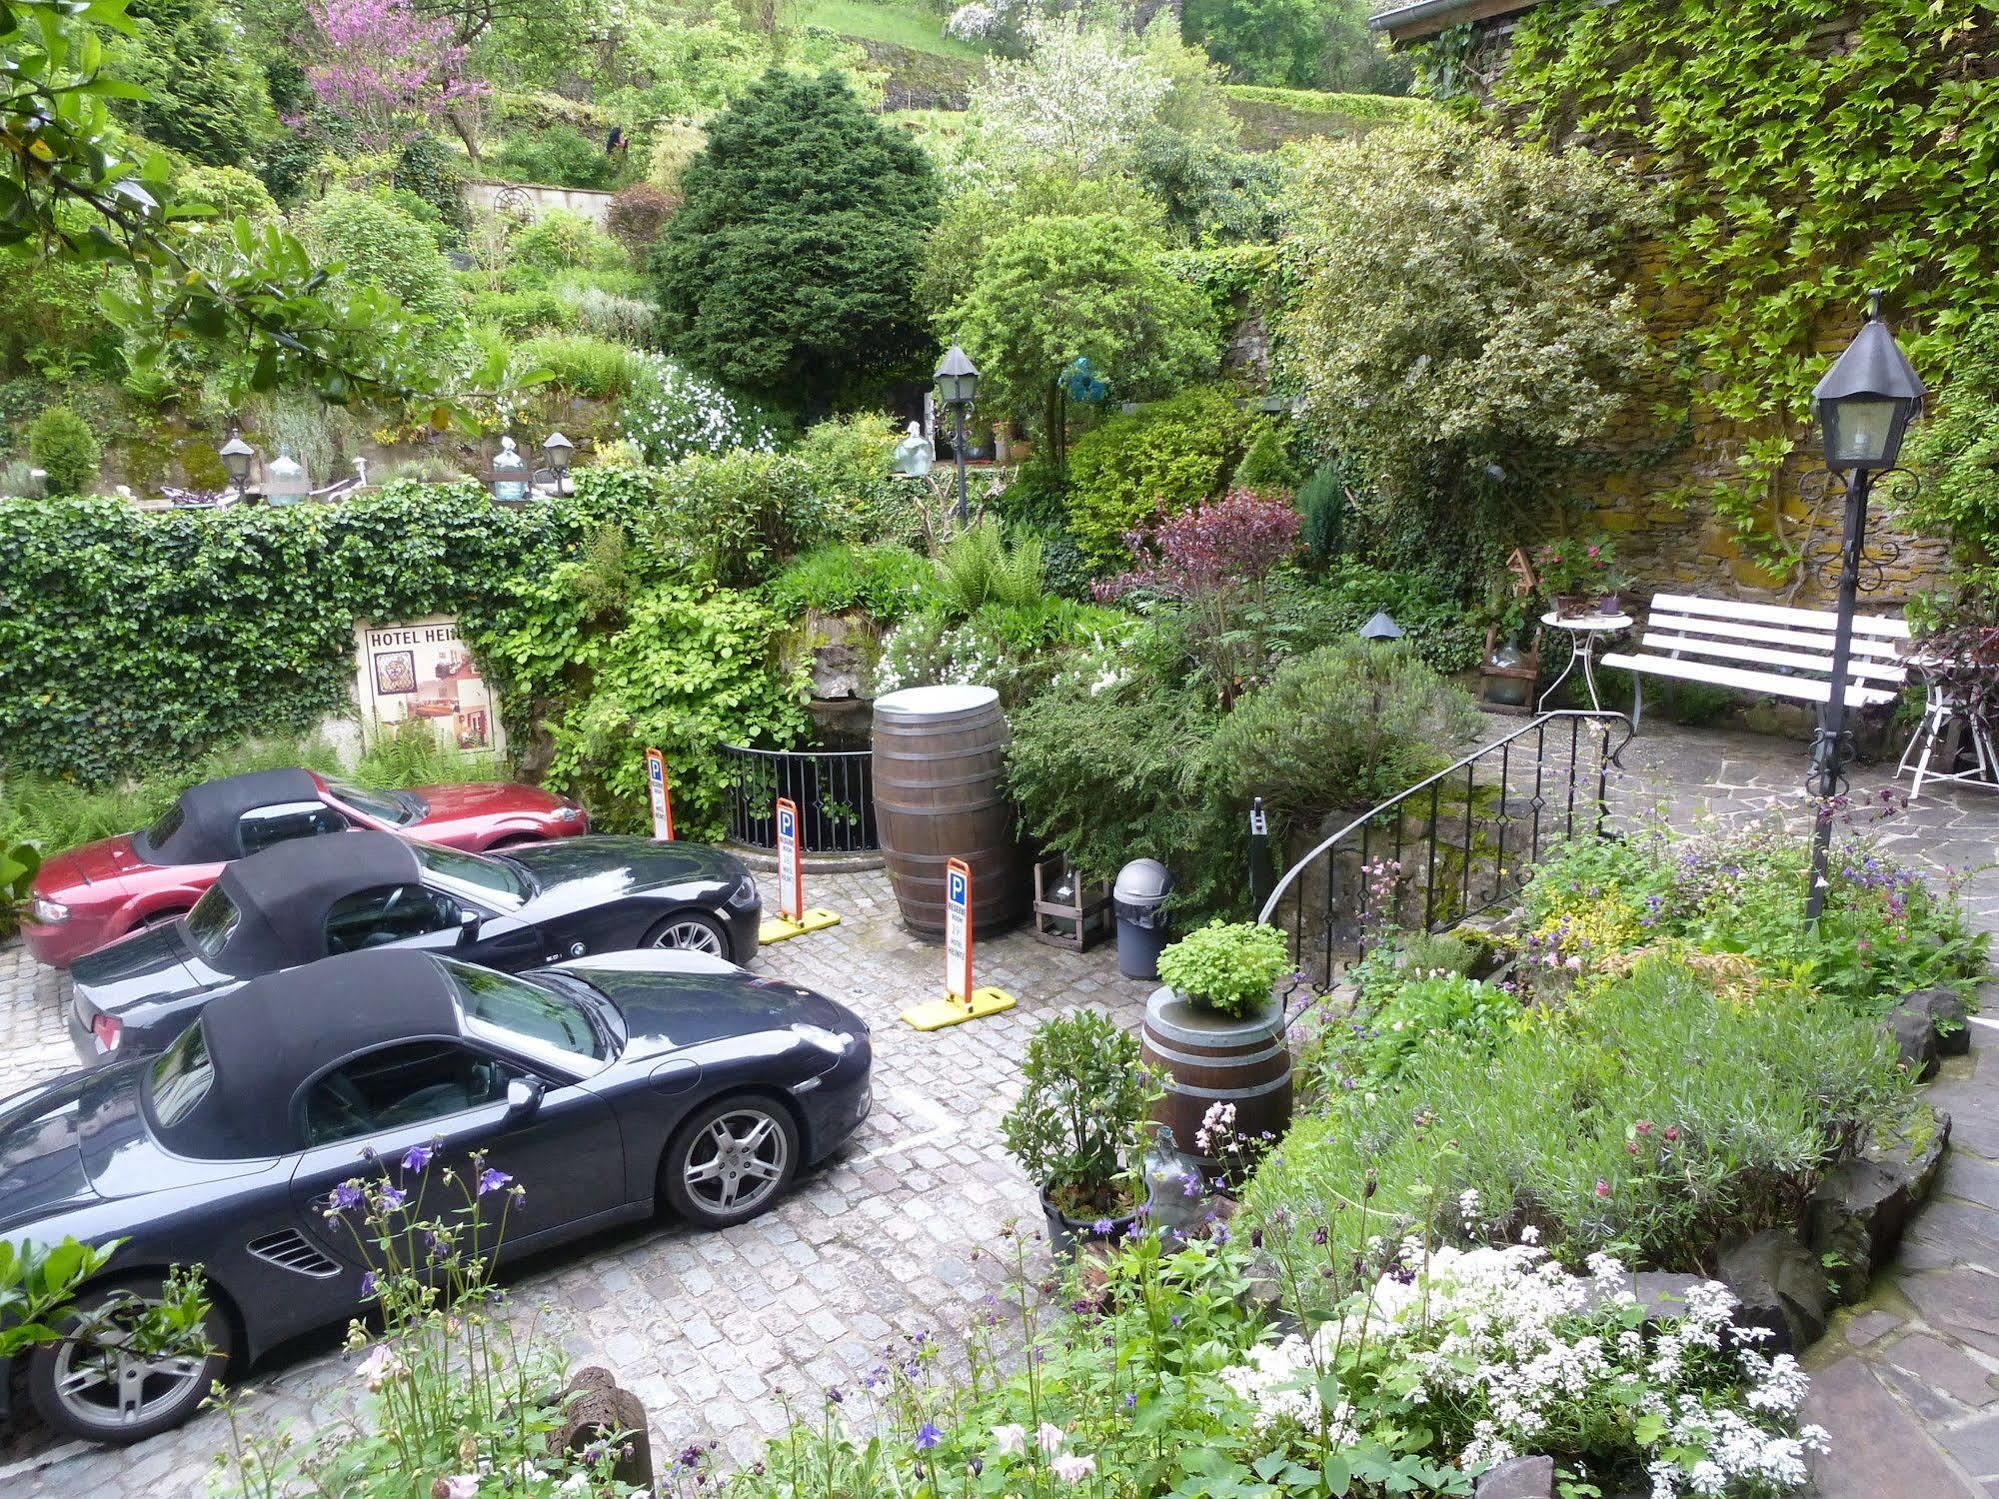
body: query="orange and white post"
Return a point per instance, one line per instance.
(963, 1000)
(792, 919)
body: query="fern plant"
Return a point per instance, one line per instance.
(978, 567)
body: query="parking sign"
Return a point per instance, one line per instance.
(662, 800)
(790, 879)
(958, 930)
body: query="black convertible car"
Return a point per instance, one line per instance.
(600, 1086)
(312, 898)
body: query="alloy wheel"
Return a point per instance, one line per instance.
(105, 1387)
(689, 934)
(737, 1161)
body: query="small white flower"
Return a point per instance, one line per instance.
(1073, 1467)
(1010, 1438)
(1049, 1438)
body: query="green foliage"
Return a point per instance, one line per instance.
(1267, 464)
(412, 755)
(798, 186)
(49, 318)
(741, 514)
(1365, 109)
(1076, 1126)
(851, 456)
(554, 154)
(519, 313)
(978, 568)
(1048, 290)
(19, 863)
(1015, 649)
(560, 240)
(1324, 500)
(1296, 42)
(130, 642)
(429, 170)
(1225, 966)
(1868, 124)
(1159, 460)
(205, 97)
(39, 1283)
(580, 365)
(884, 582)
(232, 192)
(379, 244)
(1463, 328)
(1686, 1119)
(1957, 449)
(638, 216)
(1345, 726)
(62, 445)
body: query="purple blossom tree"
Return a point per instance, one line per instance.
(1215, 563)
(387, 70)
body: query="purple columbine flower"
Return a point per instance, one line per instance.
(368, 1286)
(1102, 1228)
(927, 1436)
(491, 1180)
(393, 1198)
(418, 1158)
(346, 1197)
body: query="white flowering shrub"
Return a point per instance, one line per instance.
(1502, 1352)
(672, 414)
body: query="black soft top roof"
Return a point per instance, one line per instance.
(209, 832)
(283, 893)
(270, 1037)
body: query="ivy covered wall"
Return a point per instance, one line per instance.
(1807, 150)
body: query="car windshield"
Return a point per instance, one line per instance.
(397, 808)
(181, 1078)
(211, 921)
(522, 1017)
(476, 873)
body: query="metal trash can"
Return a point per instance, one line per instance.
(1139, 899)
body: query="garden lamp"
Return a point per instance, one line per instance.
(560, 451)
(237, 456)
(1865, 404)
(1381, 627)
(957, 385)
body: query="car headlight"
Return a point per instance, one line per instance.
(48, 912)
(745, 894)
(567, 813)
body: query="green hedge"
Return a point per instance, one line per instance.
(131, 640)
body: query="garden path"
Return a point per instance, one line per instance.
(715, 1332)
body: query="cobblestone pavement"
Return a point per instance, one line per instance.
(714, 1331)
(710, 1330)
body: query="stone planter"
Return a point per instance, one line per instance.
(1207, 1058)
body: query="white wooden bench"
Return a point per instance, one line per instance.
(1765, 649)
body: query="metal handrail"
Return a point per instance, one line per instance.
(1432, 788)
(833, 789)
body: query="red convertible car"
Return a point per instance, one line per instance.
(88, 896)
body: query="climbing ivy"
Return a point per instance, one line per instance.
(1809, 150)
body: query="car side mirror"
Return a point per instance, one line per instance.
(468, 926)
(523, 1097)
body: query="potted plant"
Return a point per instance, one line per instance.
(1217, 1031)
(1078, 1128)
(1580, 575)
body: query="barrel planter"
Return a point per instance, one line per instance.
(939, 763)
(1205, 1058)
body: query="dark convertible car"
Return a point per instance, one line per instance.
(600, 1086)
(313, 898)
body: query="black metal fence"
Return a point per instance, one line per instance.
(834, 791)
(1450, 846)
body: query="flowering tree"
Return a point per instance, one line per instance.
(1214, 562)
(1080, 96)
(387, 69)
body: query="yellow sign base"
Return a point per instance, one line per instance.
(779, 929)
(935, 1014)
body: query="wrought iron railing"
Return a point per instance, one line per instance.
(1450, 846)
(834, 791)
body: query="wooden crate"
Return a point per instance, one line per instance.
(1077, 925)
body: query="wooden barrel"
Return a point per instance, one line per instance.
(1206, 1058)
(940, 753)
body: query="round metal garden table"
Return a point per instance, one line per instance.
(1586, 628)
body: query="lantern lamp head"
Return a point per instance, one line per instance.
(1381, 627)
(957, 378)
(560, 451)
(237, 456)
(1868, 398)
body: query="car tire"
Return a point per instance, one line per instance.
(691, 931)
(713, 1186)
(167, 1391)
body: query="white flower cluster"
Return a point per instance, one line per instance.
(1508, 1333)
(671, 414)
(1082, 94)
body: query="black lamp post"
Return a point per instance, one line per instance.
(957, 384)
(236, 457)
(560, 451)
(1865, 404)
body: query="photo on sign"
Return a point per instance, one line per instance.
(424, 672)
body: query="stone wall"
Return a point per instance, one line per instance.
(1653, 492)
(483, 196)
